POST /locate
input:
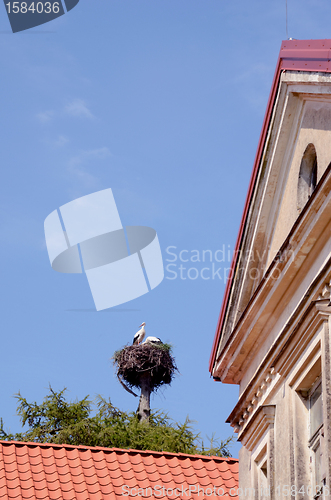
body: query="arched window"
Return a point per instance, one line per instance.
(307, 175)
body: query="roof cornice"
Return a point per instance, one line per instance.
(299, 55)
(287, 263)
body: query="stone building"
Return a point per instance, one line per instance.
(273, 333)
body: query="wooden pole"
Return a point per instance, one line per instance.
(144, 408)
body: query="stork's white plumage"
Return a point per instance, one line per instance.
(153, 340)
(140, 335)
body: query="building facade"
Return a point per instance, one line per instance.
(273, 334)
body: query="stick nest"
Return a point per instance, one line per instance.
(135, 361)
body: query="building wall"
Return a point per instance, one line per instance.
(284, 442)
(282, 309)
(279, 352)
(315, 129)
(275, 333)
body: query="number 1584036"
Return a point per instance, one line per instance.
(33, 7)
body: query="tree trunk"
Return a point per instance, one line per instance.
(144, 408)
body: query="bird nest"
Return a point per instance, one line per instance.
(135, 361)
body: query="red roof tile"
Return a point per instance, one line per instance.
(64, 472)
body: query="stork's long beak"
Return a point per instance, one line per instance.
(142, 324)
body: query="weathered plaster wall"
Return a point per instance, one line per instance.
(316, 129)
(286, 439)
(277, 335)
(283, 310)
(281, 447)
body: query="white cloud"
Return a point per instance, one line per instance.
(45, 116)
(78, 163)
(78, 108)
(94, 154)
(61, 141)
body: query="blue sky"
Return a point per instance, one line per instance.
(162, 101)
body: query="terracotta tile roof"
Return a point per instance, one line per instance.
(49, 471)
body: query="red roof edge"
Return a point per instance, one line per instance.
(119, 450)
(298, 55)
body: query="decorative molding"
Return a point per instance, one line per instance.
(318, 312)
(252, 404)
(281, 364)
(263, 420)
(246, 334)
(326, 292)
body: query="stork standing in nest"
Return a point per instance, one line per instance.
(153, 341)
(140, 335)
(148, 368)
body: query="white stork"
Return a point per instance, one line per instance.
(139, 336)
(153, 341)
